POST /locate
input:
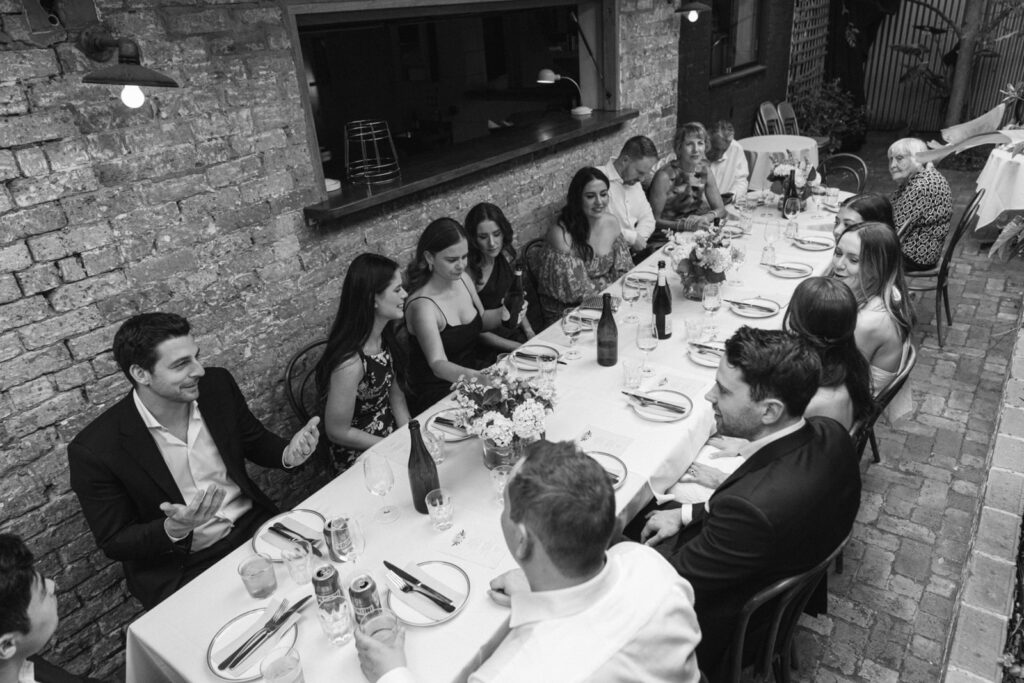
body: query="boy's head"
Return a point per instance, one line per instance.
(28, 602)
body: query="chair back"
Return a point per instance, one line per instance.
(862, 429)
(768, 121)
(967, 218)
(300, 381)
(533, 311)
(786, 599)
(788, 116)
(846, 171)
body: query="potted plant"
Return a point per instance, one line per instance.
(831, 112)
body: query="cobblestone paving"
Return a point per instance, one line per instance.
(891, 611)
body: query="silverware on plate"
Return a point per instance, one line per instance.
(273, 624)
(284, 532)
(407, 583)
(648, 401)
(747, 304)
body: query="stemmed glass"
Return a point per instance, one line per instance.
(646, 341)
(712, 298)
(379, 480)
(499, 479)
(630, 294)
(572, 327)
(790, 208)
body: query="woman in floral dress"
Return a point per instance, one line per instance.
(356, 377)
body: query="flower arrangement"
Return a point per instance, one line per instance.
(806, 176)
(504, 409)
(712, 251)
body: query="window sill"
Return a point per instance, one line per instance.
(466, 160)
(738, 75)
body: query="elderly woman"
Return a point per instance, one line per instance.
(684, 194)
(922, 202)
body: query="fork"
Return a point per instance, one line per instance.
(406, 587)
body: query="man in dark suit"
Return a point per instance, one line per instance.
(784, 510)
(161, 474)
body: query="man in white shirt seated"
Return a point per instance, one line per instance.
(627, 200)
(728, 162)
(579, 611)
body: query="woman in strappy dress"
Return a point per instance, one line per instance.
(443, 314)
(357, 376)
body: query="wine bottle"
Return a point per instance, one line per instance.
(662, 304)
(422, 470)
(791, 204)
(514, 299)
(607, 335)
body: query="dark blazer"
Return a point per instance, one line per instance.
(780, 513)
(120, 479)
(50, 673)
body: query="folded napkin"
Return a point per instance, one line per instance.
(251, 664)
(282, 543)
(425, 605)
(596, 439)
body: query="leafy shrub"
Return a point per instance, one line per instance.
(830, 111)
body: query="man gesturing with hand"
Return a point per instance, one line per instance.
(161, 474)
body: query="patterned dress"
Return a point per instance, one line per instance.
(926, 202)
(372, 412)
(685, 198)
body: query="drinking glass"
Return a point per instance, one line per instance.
(499, 478)
(712, 299)
(434, 444)
(547, 365)
(790, 208)
(772, 232)
(336, 620)
(298, 560)
(282, 665)
(380, 624)
(258, 575)
(379, 480)
(739, 255)
(832, 196)
(441, 509)
(630, 294)
(792, 229)
(344, 537)
(646, 341)
(572, 328)
(631, 373)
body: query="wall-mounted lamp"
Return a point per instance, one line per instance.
(549, 76)
(99, 45)
(692, 10)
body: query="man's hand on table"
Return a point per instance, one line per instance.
(182, 519)
(508, 584)
(661, 524)
(377, 658)
(302, 444)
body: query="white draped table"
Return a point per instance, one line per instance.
(169, 643)
(1002, 178)
(798, 146)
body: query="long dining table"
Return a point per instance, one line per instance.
(170, 642)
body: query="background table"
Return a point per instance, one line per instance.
(1003, 181)
(169, 642)
(763, 145)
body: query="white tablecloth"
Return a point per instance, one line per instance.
(169, 643)
(1003, 182)
(796, 145)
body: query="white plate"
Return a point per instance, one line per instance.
(310, 518)
(657, 414)
(233, 629)
(611, 465)
(804, 271)
(746, 312)
(533, 349)
(447, 573)
(706, 359)
(449, 434)
(639, 277)
(733, 231)
(822, 243)
(588, 318)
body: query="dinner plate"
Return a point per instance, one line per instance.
(612, 465)
(733, 231)
(708, 360)
(533, 349)
(232, 630)
(643, 277)
(822, 243)
(452, 575)
(748, 312)
(656, 414)
(449, 434)
(783, 270)
(309, 518)
(588, 318)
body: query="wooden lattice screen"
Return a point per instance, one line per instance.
(807, 47)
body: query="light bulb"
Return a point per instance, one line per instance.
(132, 96)
(692, 16)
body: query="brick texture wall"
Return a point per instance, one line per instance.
(193, 204)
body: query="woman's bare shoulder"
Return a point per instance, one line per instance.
(558, 238)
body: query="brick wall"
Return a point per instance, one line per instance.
(193, 204)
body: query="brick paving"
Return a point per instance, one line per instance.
(891, 612)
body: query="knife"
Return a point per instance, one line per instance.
(284, 532)
(269, 630)
(419, 585)
(645, 400)
(718, 351)
(745, 304)
(791, 269)
(536, 357)
(810, 240)
(256, 634)
(447, 422)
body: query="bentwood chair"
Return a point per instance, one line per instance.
(792, 126)
(786, 600)
(768, 120)
(533, 311)
(863, 431)
(937, 279)
(300, 383)
(846, 171)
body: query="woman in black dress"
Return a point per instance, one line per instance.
(356, 377)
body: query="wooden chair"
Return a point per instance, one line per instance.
(846, 171)
(940, 273)
(300, 383)
(863, 431)
(786, 599)
(768, 120)
(533, 311)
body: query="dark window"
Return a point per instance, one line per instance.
(736, 29)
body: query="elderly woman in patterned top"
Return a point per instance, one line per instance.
(922, 203)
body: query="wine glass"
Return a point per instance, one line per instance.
(499, 479)
(646, 341)
(712, 298)
(572, 327)
(379, 480)
(790, 208)
(772, 232)
(631, 294)
(739, 255)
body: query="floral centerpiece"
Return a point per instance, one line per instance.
(711, 256)
(506, 412)
(805, 175)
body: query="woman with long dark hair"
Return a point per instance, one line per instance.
(356, 376)
(824, 312)
(443, 314)
(583, 252)
(863, 208)
(491, 265)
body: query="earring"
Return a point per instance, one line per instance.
(430, 267)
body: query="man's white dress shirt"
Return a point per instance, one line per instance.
(195, 465)
(731, 171)
(629, 204)
(634, 621)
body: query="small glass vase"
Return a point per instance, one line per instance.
(495, 455)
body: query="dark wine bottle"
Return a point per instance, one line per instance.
(514, 299)
(422, 470)
(662, 304)
(791, 204)
(607, 335)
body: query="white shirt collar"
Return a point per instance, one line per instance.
(754, 446)
(537, 606)
(27, 673)
(612, 172)
(150, 421)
